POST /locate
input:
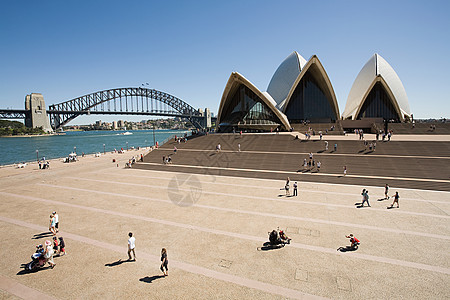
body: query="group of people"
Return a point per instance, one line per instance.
(131, 249)
(311, 164)
(371, 145)
(167, 159)
(57, 247)
(44, 164)
(287, 187)
(365, 197)
(180, 140)
(133, 160)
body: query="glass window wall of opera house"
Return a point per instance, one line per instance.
(301, 91)
(309, 103)
(246, 110)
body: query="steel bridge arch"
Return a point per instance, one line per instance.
(62, 113)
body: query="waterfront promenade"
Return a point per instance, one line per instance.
(214, 227)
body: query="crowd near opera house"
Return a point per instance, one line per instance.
(300, 91)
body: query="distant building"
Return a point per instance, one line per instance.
(114, 125)
(301, 91)
(121, 123)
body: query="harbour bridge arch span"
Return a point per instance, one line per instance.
(123, 101)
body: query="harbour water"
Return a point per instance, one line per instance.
(24, 149)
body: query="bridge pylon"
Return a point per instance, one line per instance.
(37, 113)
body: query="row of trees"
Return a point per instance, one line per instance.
(17, 128)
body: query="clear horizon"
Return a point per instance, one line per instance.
(189, 49)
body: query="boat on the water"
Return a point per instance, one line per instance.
(125, 133)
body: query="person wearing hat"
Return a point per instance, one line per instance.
(48, 253)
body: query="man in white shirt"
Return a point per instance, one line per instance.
(55, 215)
(131, 246)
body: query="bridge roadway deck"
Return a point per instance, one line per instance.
(409, 164)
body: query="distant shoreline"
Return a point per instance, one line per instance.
(27, 135)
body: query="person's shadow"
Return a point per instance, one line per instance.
(117, 263)
(267, 246)
(42, 235)
(346, 249)
(147, 279)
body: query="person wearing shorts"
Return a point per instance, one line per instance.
(386, 190)
(62, 246)
(52, 225)
(55, 215)
(131, 246)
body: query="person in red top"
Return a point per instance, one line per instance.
(353, 240)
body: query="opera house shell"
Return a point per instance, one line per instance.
(377, 93)
(299, 91)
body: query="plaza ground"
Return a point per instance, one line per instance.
(214, 226)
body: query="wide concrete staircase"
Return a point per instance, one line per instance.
(420, 128)
(277, 156)
(326, 128)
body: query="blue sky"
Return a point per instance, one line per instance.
(189, 48)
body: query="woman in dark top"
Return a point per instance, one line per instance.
(164, 262)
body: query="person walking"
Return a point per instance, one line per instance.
(319, 164)
(386, 190)
(326, 145)
(396, 197)
(239, 147)
(48, 253)
(335, 147)
(131, 246)
(345, 170)
(52, 225)
(62, 246)
(295, 189)
(55, 215)
(164, 262)
(286, 187)
(365, 198)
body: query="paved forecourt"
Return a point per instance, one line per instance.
(214, 228)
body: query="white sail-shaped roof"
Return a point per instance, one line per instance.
(237, 79)
(314, 65)
(284, 77)
(376, 69)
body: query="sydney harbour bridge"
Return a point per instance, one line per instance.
(118, 101)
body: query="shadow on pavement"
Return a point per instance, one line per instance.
(117, 263)
(42, 235)
(346, 249)
(147, 279)
(267, 246)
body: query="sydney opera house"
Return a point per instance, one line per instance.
(301, 91)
